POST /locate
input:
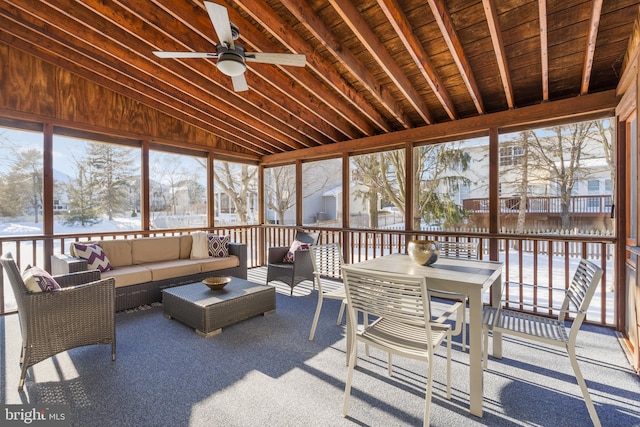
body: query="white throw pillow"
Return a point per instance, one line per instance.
(38, 280)
(200, 245)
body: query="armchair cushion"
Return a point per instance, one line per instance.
(38, 280)
(291, 254)
(218, 245)
(95, 256)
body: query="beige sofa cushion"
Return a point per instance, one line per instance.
(185, 246)
(131, 275)
(170, 269)
(118, 251)
(155, 249)
(212, 264)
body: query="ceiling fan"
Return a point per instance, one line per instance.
(232, 57)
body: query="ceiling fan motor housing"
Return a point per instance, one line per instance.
(231, 61)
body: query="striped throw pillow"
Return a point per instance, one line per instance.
(95, 256)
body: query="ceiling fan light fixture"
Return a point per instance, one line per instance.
(231, 64)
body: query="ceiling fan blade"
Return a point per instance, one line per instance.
(239, 83)
(185, 54)
(220, 20)
(294, 60)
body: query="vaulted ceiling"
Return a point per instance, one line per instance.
(372, 66)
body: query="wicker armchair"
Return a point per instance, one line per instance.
(81, 313)
(292, 273)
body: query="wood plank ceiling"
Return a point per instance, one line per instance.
(373, 66)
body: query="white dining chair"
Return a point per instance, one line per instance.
(552, 331)
(456, 303)
(403, 325)
(327, 263)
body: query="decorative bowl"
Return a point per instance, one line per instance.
(423, 252)
(216, 283)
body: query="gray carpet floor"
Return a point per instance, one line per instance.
(265, 372)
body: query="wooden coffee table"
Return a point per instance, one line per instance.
(209, 311)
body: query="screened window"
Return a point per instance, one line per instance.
(235, 193)
(452, 186)
(280, 195)
(177, 190)
(322, 193)
(96, 186)
(377, 190)
(20, 182)
(576, 200)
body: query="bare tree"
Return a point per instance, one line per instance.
(606, 136)
(238, 181)
(280, 189)
(169, 171)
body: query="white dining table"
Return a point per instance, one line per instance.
(469, 277)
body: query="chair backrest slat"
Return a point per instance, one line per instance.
(465, 250)
(327, 260)
(580, 292)
(397, 297)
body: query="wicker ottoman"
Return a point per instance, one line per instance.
(209, 311)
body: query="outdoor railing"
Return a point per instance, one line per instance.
(581, 205)
(538, 260)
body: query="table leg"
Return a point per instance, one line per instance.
(475, 352)
(496, 337)
(350, 325)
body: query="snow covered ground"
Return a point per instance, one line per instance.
(27, 228)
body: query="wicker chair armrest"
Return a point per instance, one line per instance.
(81, 277)
(275, 254)
(73, 305)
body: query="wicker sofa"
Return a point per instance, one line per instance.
(143, 267)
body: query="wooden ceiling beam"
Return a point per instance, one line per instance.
(114, 38)
(544, 48)
(323, 34)
(88, 54)
(570, 109)
(265, 98)
(20, 37)
(188, 26)
(273, 23)
(253, 38)
(442, 17)
(498, 48)
(400, 23)
(372, 44)
(594, 24)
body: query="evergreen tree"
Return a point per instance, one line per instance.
(82, 204)
(23, 191)
(102, 184)
(113, 172)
